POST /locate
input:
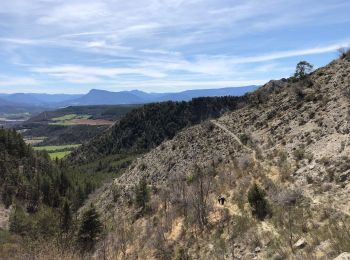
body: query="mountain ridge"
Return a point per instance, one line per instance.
(105, 97)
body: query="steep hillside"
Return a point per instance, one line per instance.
(39, 198)
(147, 126)
(292, 140)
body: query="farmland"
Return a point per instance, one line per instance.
(57, 151)
(74, 119)
(71, 125)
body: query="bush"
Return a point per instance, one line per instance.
(299, 154)
(19, 223)
(258, 203)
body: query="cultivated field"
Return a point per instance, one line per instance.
(57, 151)
(74, 119)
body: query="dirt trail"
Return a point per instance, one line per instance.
(222, 127)
(316, 200)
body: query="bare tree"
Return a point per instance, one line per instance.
(343, 51)
(199, 195)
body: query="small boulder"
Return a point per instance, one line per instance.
(343, 256)
(301, 243)
(257, 249)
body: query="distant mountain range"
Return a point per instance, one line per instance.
(103, 97)
(34, 99)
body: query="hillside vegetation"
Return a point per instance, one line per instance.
(40, 197)
(146, 127)
(280, 161)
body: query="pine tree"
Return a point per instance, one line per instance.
(66, 217)
(303, 69)
(142, 195)
(90, 229)
(256, 199)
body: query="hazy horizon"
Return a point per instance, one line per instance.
(130, 90)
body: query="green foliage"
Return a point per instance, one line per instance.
(21, 170)
(245, 138)
(303, 68)
(299, 154)
(66, 217)
(57, 151)
(18, 221)
(66, 119)
(89, 230)
(142, 195)
(258, 203)
(147, 126)
(43, 223)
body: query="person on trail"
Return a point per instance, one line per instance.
(221, 200)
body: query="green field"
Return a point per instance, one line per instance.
(57, 151)
(66, 120)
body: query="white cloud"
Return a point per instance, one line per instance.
(7, 81)
(292, 53)
(73, 14)
(200, 40)
(85, 74)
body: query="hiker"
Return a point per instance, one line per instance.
(221, 200)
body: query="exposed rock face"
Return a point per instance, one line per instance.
(343, 256)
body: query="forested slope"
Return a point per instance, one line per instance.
(147, 126)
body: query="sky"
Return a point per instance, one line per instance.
(72, 46)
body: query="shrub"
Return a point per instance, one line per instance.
(299, 154)
(19, 223)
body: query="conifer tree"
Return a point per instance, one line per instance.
(142, 194)
(66, 217)
(256, 199)
(303, 69)
(89, 230)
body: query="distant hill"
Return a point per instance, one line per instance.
(34, 99)
(189, 94)
(9, 107)
(103, 97)
(4, 102)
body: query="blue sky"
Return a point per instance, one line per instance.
(61, 46)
